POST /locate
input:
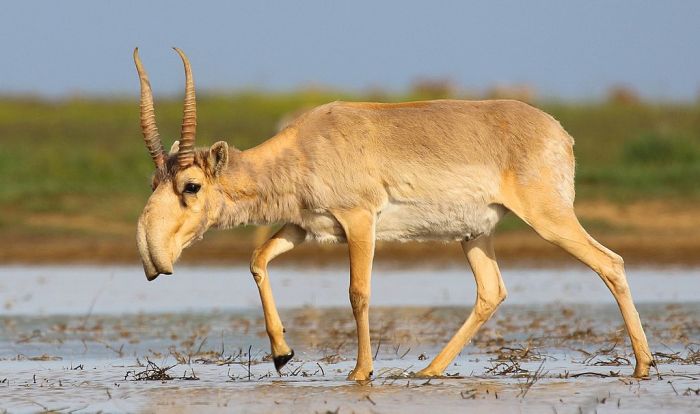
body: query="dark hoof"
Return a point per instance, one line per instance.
(281, 360)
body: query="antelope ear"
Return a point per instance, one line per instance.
(175, 148)
(218, 157)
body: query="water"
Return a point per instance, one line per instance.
(75, 338)
(116, 290)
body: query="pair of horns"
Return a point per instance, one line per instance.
(185, 155)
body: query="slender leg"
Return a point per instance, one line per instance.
(490, 292)
(563, 229)
(359, 231)
(284, 240)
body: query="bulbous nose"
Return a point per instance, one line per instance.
(161, 230)
(155, 263)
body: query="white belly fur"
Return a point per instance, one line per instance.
(446, 222)
(414, 221)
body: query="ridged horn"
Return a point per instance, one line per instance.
(185, 156)
(148, 117)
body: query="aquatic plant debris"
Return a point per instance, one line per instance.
(537, 357)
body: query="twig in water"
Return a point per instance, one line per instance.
(296, 371)
(469, 394)
(201, 344)
(221, 355)
(119, 352)
(508, 367)
(192, 377)
(152, 373)
(250, 347)
(531, 380)
(378, 345)
(612, 374)
(94, 300)
(615, 361)
(691, 391)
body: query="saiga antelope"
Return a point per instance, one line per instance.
(360, 172)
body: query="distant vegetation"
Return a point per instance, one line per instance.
(85, 157)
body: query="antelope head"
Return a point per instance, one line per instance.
(187, 197)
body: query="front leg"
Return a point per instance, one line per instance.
(359, 230)
(284, 240)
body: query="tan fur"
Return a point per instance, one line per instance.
(358, 172)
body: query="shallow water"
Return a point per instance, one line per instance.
(80, 290)
(78, 337)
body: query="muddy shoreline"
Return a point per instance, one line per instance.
(643, 232)
(102, 338)
(550, 358)
(517, 248)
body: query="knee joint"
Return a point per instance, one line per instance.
(618, 264)
(258, 267)
(359, 299)
(485, 307)
(619, 284)
(486, 304)
(615, 274)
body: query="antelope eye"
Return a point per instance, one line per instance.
(192, 188)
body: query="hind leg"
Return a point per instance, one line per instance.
(490, 292)
(558, 224)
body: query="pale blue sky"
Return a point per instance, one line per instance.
(566, 49)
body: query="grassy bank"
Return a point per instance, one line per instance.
(78, 168)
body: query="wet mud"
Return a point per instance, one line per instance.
(541, 356)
